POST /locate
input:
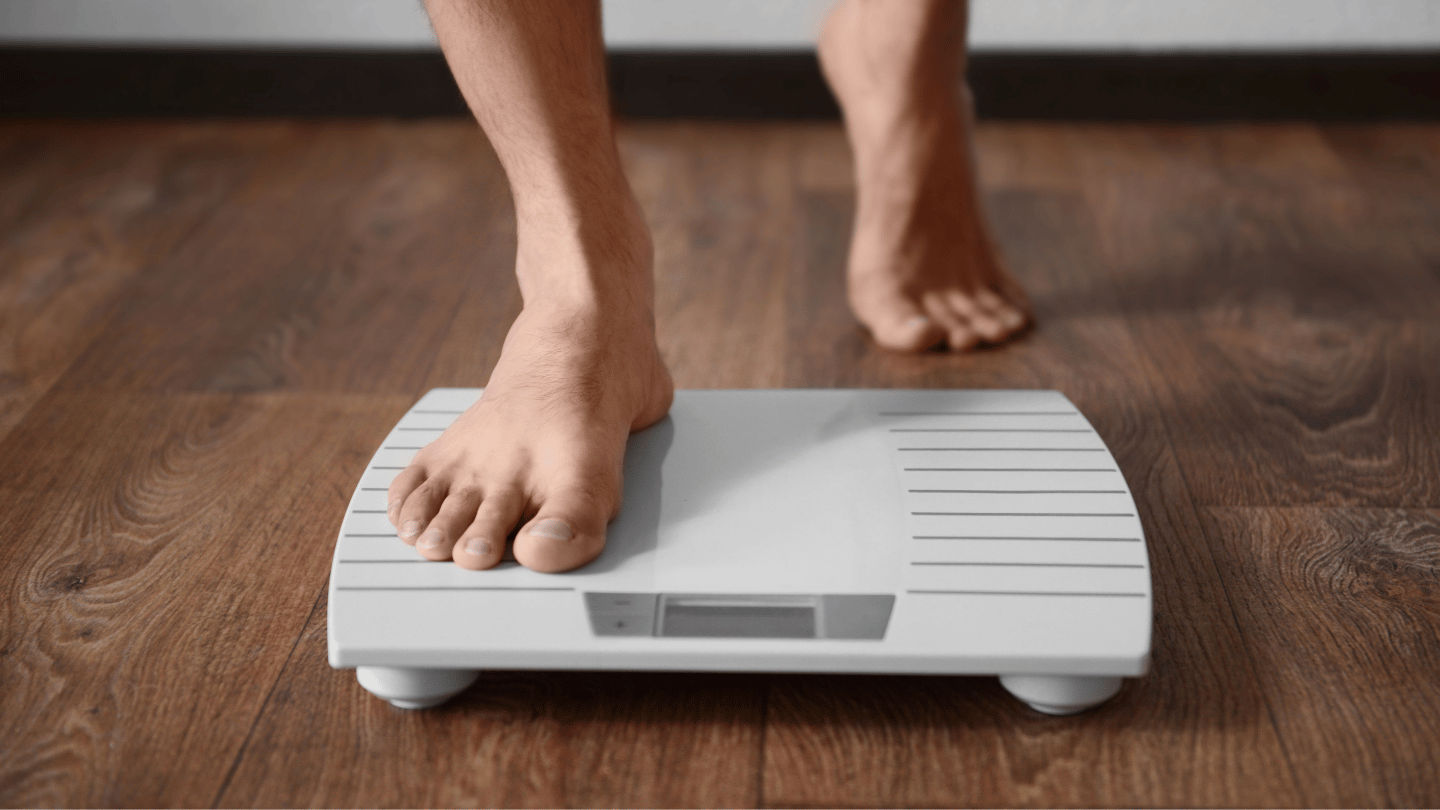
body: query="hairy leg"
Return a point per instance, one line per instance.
(923, 270)
(543, 448)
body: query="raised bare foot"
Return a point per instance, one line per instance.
(544, 447)
(923, 271)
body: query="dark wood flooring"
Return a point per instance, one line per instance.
(206, 328)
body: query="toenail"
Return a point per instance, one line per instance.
(553, 528)
(478, 547)
(395, 504)
(410, 529)
(918, 320)
(432, 539)
(1012, 319)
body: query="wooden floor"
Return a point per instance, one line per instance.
(206, 328)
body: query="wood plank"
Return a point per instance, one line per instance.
(823, 160)
(1195, 731)
(1025, 155)
(83, 211)
(166, 552)
(1293, 353)
(1245, 313)
(517, 739)
(1398, 166)
(720, 202)
(1340, 608)
(339, 265)
(482, 277)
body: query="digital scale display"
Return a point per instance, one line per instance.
(691, 615)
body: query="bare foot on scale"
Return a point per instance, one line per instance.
(540, 456)
(923, 271)
(542, 451)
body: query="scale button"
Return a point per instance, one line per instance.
(621, 614)
(624, 624)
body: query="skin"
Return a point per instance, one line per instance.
(923, 270)
(539, 457)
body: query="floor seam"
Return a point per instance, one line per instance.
(264, 704)
(1152, 386)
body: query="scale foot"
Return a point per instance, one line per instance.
(415, 688)
(1061, 694)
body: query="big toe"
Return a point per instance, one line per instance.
(901, 326)
(564, 535)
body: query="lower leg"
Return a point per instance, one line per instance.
(923, 269)
(542, 450)
(533, 72)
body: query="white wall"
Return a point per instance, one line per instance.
(997, 25)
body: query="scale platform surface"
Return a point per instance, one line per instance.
(945, 532)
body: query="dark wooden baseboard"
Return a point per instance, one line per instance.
(1105, 87)
(1208, 87)
(108, 83)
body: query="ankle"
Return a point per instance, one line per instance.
(899, 153)
(899, 76)
(602, 258)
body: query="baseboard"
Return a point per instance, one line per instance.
(84, 82)
(1253, 87)
(51, 82)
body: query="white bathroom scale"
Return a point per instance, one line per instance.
(940, 532)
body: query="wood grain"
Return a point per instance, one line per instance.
(206, 327)
(515, 739)
(1292, 348)
(1195, 731)
(720, 200)
(339, 265)
(1397, 167)
(1340, 610)
(165, 553)
(70, 249)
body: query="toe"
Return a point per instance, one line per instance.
(551, 544)
(903, 327)
(959, 337)
(568, 532)
(455, 515)
(962, 339)
(980, 320)
(989, 329)
(419, 508)
(1011, 317)
(405, 483)
(482, 544)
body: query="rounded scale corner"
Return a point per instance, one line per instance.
(1143, 666)
(333, 656)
